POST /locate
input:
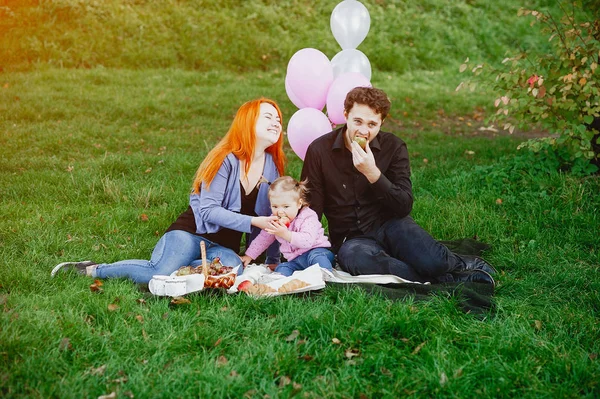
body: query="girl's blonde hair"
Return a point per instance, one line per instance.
(288, 183)
(239, 140)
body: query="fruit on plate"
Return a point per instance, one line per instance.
(361, 141)
(244, 285)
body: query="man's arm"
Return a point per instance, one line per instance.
(311, 170)
(392, 186)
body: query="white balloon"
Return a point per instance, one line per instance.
(350, 22)
(351, 60)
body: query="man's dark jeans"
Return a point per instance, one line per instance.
(400, 247)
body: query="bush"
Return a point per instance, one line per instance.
(557, 88)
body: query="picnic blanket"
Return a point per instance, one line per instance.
(472, 297)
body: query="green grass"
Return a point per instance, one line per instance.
(88, 154)
(255, 34)
(84, 153)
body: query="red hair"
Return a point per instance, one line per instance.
(240, 140)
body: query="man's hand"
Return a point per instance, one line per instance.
(280, 230)
(364, 162)
(246, 260)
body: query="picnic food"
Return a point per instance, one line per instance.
(215, 268)
(361, 141)
(293, 285)
(225, 281)
(285, 220)
(260, 289)
(244, 285)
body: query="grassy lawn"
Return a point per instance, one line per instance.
(95, 164)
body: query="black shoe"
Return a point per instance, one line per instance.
(472, 262)
(78, 267)
(473, 276)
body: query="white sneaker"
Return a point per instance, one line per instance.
(78, 267)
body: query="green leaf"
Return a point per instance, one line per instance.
(588, 119)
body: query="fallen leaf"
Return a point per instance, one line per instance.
(458, 373)
(538, 325)
(96, 286)
(425, 160)
(179, 300)
(121, 380)
(141, 301)
(65, 344)
(250, 394)
(111, 395)
(499, 201)
(296, 386)
(129, 394)
(593, 356)
(165, 315)
(144, 217)
(98, 371)
(218, 341)
(145, 335)
(148, 170)
(419, 347)
(284, 380)
(112, 307)
(222, 360)
(224, 309)
(443, 379)
(350, 353)
(336, 341)
(293, 336)
(140, 318)
(307, 358)
(385, 371)
(469, 152)
(233, 374)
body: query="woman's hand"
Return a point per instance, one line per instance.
(263, 222)
(246, 260)
(280, 230)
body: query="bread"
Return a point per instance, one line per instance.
(293, 285)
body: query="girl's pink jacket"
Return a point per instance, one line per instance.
(307, 233)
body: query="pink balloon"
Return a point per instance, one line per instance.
(292, 96)
(309, 75)
(338, 91)
(304, 127)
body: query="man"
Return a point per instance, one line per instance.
(366, 195)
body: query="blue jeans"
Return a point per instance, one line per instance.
(322, 256)
(400, 247)
(175, 248)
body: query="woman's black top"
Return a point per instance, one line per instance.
(226, 237)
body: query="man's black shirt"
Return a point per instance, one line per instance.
(351, 204)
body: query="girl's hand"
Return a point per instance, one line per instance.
(263, 222)
(246, 260)
(280, 230)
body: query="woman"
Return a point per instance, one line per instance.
(227, 200)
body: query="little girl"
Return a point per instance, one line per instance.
(298, 230)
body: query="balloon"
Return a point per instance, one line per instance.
(338, 91)
(350, 22)
(292, 96)
(309, 75)
(351, 60)
(304, 127)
